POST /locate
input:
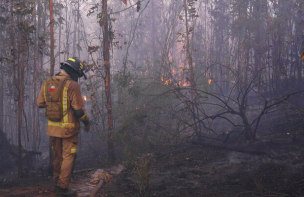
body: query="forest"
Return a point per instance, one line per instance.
(185, 97)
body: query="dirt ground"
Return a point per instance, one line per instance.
(273, 166)
(196, 171)
(190, 170)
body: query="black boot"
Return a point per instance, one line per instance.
(61, 192)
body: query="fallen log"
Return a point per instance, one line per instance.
(83, 170)
(102, 178)
(235, 149)
(9, 154)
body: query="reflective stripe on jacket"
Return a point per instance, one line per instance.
(71, 100)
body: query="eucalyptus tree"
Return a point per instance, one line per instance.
(3, 49)
(106, 59)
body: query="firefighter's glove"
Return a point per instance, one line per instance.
(84, 118)
(87, 125)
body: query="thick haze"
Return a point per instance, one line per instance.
(238, 57)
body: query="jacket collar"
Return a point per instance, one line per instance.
(64, 74)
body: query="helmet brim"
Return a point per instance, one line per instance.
(63, 63)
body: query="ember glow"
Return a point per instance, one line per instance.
(165, 80)
(185, 83)
(209, 81)
(85, 98)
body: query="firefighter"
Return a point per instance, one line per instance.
(61, 97)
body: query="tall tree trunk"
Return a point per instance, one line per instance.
(189, 55)
(20, 83)
(44, 30)
(12, 40)
(1, 88)
(153, 32)
(257, 12)
(78, 30)
(74, 36)
(106, 57)
(302, 44)
(50, 168)
(192, 81)
(39, 26)
(52, 38)
(1, 100)
(34, 108)
(67, 47)
(59, 43)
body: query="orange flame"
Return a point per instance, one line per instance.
(166, 80)
(85, 98)
(209, 81)
(185, 83)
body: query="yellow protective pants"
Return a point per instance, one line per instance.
(65, 150)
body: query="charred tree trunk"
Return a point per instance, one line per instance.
(106, 57)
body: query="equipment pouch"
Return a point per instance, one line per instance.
(53, 111)
(53, 89)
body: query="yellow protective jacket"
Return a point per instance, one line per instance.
(71, 100)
